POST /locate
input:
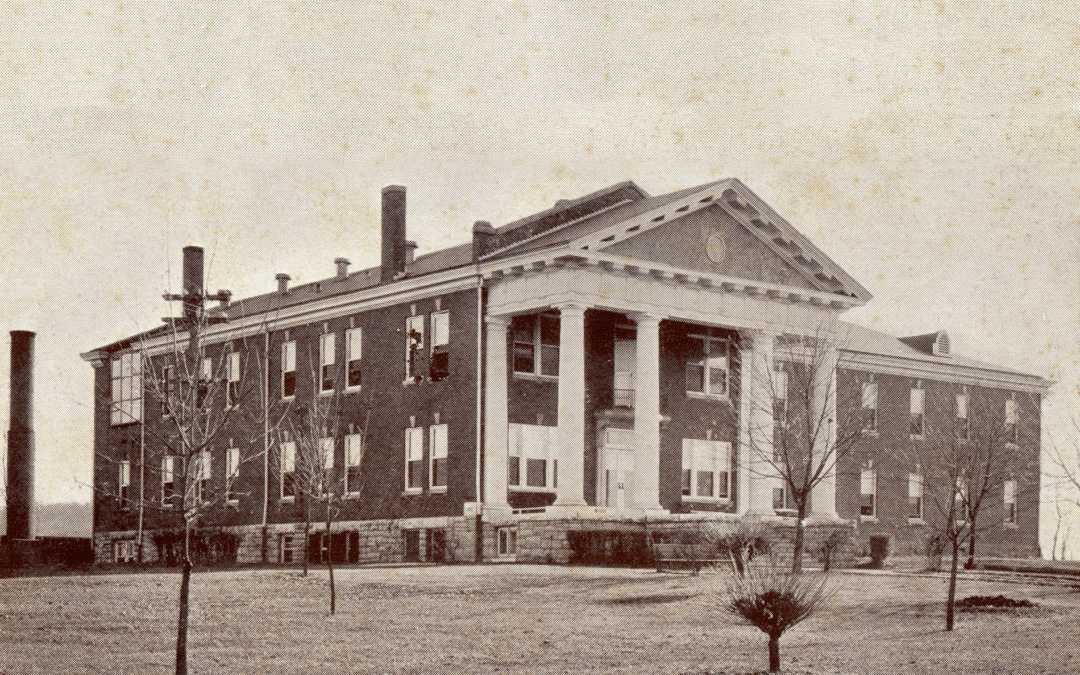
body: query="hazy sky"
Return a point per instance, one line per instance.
(930, 148)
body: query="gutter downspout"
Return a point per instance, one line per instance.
(479, 409)
(266, 437)
(142, 474)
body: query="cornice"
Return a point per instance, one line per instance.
(942, 372)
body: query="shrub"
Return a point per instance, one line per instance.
(837, 538)
(751, 537)
(879, 549)
(773, 601)
(934, 548)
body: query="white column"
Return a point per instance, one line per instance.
(495, 413)
(571, 432)
(758, 427)
(823, 495)
(647, 412)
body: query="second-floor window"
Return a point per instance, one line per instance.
(963, 429)
(326, 363)
(168, 390)
(869, 406)
(440, 346)
(288, 369)
(439, 455)
(127, 388)
(707, 370)
(780, 401)
(536, 344)
(232, 473)
(354, 339)
(917, 419)
(414, 459)
(868, 493)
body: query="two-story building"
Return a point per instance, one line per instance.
(586, 364)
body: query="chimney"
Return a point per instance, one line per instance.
(20, 471)
(193, 282)
(483, 238)
(410, 251)
(342, 268)
(282, 283)
(393, 233)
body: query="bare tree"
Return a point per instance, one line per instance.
(794, 404)
(966, 453)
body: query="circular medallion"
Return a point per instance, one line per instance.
(715, 248)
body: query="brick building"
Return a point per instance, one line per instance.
(580, 367)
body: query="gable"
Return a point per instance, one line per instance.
(711, 240)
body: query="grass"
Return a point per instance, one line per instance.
(513, 619)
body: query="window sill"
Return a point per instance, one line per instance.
(287, 500)
(437, 489)
(232, 502)
(708, 397)
(327, 392)
(286, 399)
(868, 519)
(412, 491)
(534, 377)
(1011, 526)
(353, 390)
(410, 381)
(1012, 446)
(352, 495)
(688, 499)
(872, 433)
(915, 521)
(915, 437)
(530, 488)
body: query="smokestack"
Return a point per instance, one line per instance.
(20, 472)
(282, 283)
(393, 233)
(193, 282)
(342, 267)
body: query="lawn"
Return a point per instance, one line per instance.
(514, 619)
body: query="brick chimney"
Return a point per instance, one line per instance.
(483, 238)
(342, 267)
(282, 283)
(393, 233)
(20, 468)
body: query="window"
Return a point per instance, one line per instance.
(206, 374)
(918, 399)
(440, 346)
(126, 388)
(625, 366)
(1010, 502)
(1011, 427)
(960, 500)
(125, 482)
(124, 551)
(326, 363)
(286, 548)
(168, 390)
(707, 369)
(438, 456)
(232, 473)
(202, 482)
(915, 496)
(507, 541)
(536, 344)
(168, 480)
(288, 369)
(414, 346)
(326, 451)
(354, 453)
(963, 429)
(706, 469)
(529, 463)
(869, 406)
(779, 498)
(232, 391)
(288, 470)
(868, 494)
(353, 345)
(780, 394)
(414, 459)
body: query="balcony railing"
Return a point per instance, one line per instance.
(624, 398)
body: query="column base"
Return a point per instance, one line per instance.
(824, 519)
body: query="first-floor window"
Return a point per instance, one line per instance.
(779, 498)
(125, 482)
(915, 496)
(414, 458)
(354, 452)
(232, 473)
(168, 480)
(507, 541)
(868, 493)
(1010, 501)
(439, 454)
(288, 470)
(326, 451)
(202, 484)
(529, 462)
(706, 469)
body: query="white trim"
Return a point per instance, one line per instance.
(942, 372)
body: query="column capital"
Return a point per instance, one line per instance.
(498, 320)
(571, 307)
(644, 318)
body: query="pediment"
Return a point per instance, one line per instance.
(724, 229)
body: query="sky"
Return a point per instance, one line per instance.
(932, 149)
